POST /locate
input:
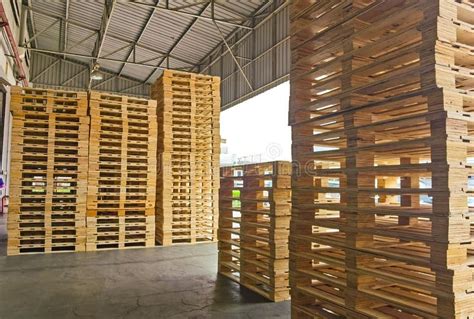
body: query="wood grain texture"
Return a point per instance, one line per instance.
(188, 157)
(48, 171)
(381, 113)
(122, 172)
(254, 222)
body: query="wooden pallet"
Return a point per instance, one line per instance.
(254, 221)
(122, 172)
(188, 157)
(382, 94)
(48, 168)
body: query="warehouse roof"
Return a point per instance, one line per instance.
(133, 41)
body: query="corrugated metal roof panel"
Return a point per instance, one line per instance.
(127, 20)
(88, 13)
(51, 7)
(76, 37)
(268, 46)
(164, 30)
(263, 54)
(115, 49)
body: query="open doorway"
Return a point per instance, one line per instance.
(257, 130)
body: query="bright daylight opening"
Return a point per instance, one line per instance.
(257, 130)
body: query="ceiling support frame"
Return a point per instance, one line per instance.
(66, 26)
(113, 37)
(177, 42)
(241, 38)
(49, 67)
(232, 54)
(86, 67)
(197, 16)
(139, 37)
(109, 6)
(74, 76)
(91, 57)
(41, 32)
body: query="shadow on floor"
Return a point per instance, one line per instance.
(160, 282)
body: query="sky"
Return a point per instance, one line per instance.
(257, 130)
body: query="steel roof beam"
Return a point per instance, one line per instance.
(104, 81)
(91, 57)
(109, 6)
(114, 37)
(198, 16)
(233, 57)
(75, 76)
(83, 40)
(42, 31)
(190, 5)
(30, 23)
(243, 37)
(243, 17)
(66, 26)
(118, 50)
(86, 66)
(231, 34)
(178, 41)
(150, 59)
(45, 70)
(139, 37)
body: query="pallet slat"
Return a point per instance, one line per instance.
(381, 114)
(48, 167)
(188, 157)
(254, 221)
(122, 172)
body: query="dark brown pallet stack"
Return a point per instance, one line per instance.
(122, 172)
(381, 108)
(48, 178)
(188, 157)
(254, 221)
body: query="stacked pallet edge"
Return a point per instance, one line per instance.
(84, 167)
(188, 157)
(254, 221)
(122, 172)
(381, 113)
(48, 187)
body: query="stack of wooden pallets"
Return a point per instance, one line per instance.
(122, 172)
(188, 157)
(254, 221)
(48, 171)
(381, 108)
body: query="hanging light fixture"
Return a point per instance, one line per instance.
(96, 75)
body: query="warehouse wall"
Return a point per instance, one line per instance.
(8, 78)
(263, 54)
(52, 72)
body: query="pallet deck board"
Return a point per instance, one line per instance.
(49, 167)
(380, 109)
(254, 221)
(122, 172)
(188, 157)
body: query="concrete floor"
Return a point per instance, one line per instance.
(169, 282)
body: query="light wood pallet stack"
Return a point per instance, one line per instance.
(48, 171)
(188, 157)
(122, 172)
(254, 226)
(382, 95)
